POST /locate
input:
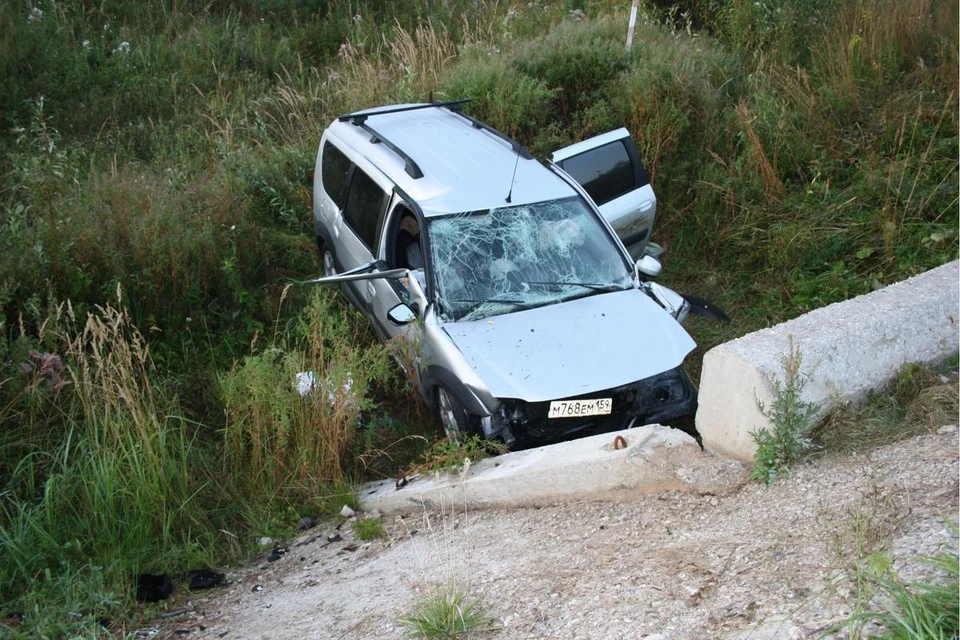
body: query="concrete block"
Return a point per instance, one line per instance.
(653, 459)
(848, 349)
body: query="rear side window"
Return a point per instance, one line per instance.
(335, 168)
(606, 172)
(365, 202)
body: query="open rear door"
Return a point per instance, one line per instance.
(608, 167)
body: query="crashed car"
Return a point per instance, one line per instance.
(526, 316)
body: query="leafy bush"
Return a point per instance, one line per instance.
(578, 60)
(511, 101)
(791, 421)
(445, 455)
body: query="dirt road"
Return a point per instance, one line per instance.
(760, 562)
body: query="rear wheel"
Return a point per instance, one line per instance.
(453, 416)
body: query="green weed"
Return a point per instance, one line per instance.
(905, 610)
(123, 491)
(924, 610)
(791, 421)
(448, 613)
(444, 455)
(369, 529)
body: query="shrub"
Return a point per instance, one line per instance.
(509, 100)
(791, 420)
(445, 455)
(577, 60)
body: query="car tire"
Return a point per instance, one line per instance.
(453, 416)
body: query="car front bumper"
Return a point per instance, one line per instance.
(659, 399)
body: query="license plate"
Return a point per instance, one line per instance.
(580, 408)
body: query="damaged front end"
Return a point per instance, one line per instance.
(660, 399)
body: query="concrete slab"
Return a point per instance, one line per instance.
(847, 348)
(655, 459)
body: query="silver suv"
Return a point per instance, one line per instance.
(525, 315)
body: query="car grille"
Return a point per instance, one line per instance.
(661, 398)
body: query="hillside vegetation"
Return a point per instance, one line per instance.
(155, 209)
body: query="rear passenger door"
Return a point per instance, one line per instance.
(610, 170)
(356, 231)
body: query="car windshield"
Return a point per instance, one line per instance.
(507, 259)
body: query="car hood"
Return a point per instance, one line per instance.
(572, 348)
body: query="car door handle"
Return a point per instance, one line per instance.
(372, 290)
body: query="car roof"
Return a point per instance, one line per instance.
(465, 168)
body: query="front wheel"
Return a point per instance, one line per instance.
(326, 257)
(453, 416)
(329, 266)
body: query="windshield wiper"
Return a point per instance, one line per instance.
(586, 285)
(507, 302)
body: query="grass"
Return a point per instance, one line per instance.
(919, 400)
(802, 153)
(921, 610)
(444, 455)
(370, 529)
(885, 605)
(447, 613)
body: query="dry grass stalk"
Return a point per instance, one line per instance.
(402, 68)
(111, 375)
(773, 187)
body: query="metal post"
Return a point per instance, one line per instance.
(633, 23)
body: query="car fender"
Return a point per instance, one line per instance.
(436, 375)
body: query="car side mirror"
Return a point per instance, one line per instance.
(401, 315)
(649, 266)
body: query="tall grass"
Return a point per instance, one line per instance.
(120, 492)
(290, 443)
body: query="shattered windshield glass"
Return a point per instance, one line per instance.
(507, 259)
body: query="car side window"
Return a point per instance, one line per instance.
(606, 172)
(365, 202)
(336, 173)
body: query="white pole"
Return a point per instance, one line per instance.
(633, 23)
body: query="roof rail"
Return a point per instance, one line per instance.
(410, 166)
(456, 106)
(518, 148)
(356, 118)
(360, 120)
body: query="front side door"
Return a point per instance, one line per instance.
(610, 170)
(400, 247)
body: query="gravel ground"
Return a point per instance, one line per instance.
(760, 562)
